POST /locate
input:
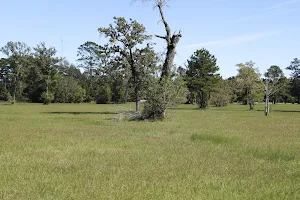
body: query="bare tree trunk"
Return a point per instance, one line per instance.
(172, 41)
(267, 106)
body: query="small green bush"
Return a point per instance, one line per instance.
(47, 97)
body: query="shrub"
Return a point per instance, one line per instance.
(221, 95)
(220, 99)
(47, 97)
(162, 94)
(10, 99)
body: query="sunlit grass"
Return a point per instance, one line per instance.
(70, 151)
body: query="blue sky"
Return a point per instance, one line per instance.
(235, 31)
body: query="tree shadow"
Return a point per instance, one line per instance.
(287, 111)
(81, 113)
(183, 108)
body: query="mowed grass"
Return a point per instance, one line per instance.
(70, 151)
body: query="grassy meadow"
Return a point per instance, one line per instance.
(77, 151)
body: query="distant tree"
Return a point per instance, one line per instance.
(284, 93)
(235, 94)
(35, 84)
(68, 90)
(103, 94)
(295, 79)
(281, 91)
(221, 94)
(248, 79)
(272, 85)
(201, 75)
(45, 60)
(17, 54)
(4, 78)
(94, 61)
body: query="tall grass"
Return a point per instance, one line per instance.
(70, 151)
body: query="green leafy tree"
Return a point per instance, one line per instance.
(68, 90)
(94, 62)
(295, 79)
(272, 85)
(17, 54)
(202, 75)
(127, 43)
(4, 78)
(34, 82)
(275, 76)
(248, 80)
(45, 60)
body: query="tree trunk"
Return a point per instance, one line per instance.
(251, 106)
(202, 100)
(170, 55)
(15, 91)
(20, 89)
(267, 106)
(137, 101)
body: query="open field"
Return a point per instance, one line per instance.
(68, 151)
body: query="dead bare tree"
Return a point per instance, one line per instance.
(172, 41)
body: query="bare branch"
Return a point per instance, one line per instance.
(160, 5)
(162, 37)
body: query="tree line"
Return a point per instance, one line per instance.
(126, 68)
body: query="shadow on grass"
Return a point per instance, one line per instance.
(81, 113)
(6, 104)
(287, 111)
(272, 155)
(184, 108)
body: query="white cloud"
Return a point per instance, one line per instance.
(237, 40)
(282, 4)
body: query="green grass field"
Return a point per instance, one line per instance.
(69, 151)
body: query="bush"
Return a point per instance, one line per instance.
(103, 95)
(154, 107)
(221, 95)
(10, 99)
(220, 98)
(162, 94)
(47, 97)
